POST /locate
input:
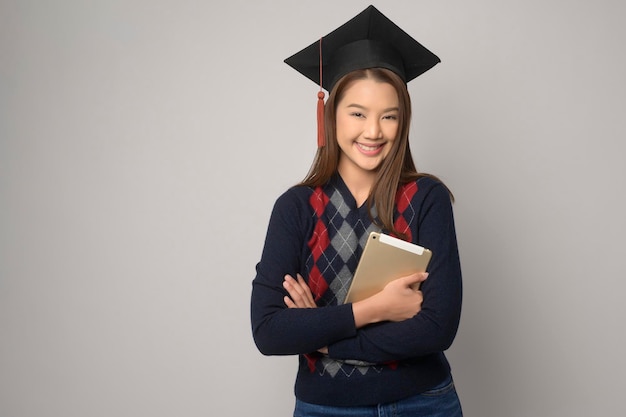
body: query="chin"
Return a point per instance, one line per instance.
(371, 167)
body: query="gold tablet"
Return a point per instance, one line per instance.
(384, 259)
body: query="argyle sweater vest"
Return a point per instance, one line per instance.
(320, 233)
(339, 237)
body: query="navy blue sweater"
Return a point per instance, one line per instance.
(320, 233)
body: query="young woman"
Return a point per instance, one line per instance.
(385, 353)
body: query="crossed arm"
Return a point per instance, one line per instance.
(384, 327)
(398, 301)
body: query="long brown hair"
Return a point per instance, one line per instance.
(397, 169)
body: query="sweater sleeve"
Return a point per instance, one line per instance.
(278, 330)
(433, 329)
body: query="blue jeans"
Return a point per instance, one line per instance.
(441, 401)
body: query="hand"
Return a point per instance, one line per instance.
(300, 295)
(403, 301)
(398, 301)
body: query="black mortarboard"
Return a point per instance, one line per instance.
(369, 40)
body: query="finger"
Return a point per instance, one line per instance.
(295, 286)
(415, 278)
(292, 288)
(296, 293)
(303, 283)
(307, 291)
(289, 303)
(304, 295)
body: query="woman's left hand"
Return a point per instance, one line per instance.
(300, 295)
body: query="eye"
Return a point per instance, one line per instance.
(391, 117)
(357, 114)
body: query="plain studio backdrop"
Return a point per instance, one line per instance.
(143, 144)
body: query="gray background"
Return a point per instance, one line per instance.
(143, 143)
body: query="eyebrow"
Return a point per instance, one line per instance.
(358, 106)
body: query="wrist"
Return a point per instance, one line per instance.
(366, 312)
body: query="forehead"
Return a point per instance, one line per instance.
(372, 91)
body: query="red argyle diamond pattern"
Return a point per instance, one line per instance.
(405, 210)
(318, 243)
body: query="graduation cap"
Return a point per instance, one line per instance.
(368, 40)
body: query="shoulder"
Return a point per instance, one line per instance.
(423, 188)
(295, 199)
(291, 216)
(428, 182)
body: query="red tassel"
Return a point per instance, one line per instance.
(321, 132)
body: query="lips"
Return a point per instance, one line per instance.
(370, 149)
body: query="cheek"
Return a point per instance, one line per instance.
(346, 128)
(341, 123)
(391, 131)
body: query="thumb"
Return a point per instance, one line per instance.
(415, 278)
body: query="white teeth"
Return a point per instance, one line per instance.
(368, 148)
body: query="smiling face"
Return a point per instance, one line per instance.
(366, 127)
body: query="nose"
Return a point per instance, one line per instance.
(373, 130)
